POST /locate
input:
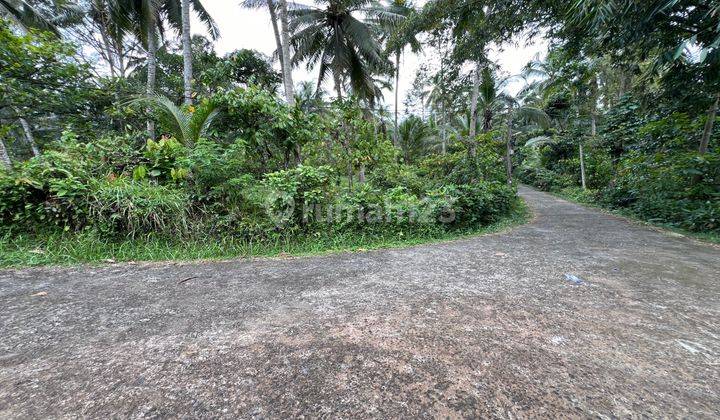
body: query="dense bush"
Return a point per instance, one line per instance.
(267, 171)
(50, 190)
(681, 189)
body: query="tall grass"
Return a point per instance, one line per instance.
(25, 250)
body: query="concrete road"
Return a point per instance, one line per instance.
(488, 326)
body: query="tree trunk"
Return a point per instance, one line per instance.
(29, 136)
(338, 85)
(361, 174)
(187, 53)
(286, 59)
(298, 155)
(4, 157)
(487, 120)
(397, 85)
(582, 168)
(474, 102)
(121, 57)
(443, 133)
(593, 133)
(151, 72)
(443, 54)
(276, 31)
(707, 131)
(508, 151)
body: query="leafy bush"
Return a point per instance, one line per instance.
(481, 203)
(682, 189)
(545, 179)
(46, 190)
(459, 167)
(290, 193)
(166, 161)
(399, 175)
(274, 132)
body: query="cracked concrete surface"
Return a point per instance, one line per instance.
(487, 326)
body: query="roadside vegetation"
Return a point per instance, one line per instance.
(123, 137)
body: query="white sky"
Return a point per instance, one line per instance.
(244, 28)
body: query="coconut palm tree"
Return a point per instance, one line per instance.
(272, 9)
(415, 138)
(341, 43)
(491, 97)
(279, 20)
(581, 87)
(390, 19)
(285, 52)
(143, 19)
(187, 53)
(171, 8)
(307, 98)
(462, 127)
(146, 20)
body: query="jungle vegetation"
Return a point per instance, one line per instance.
(118, 128)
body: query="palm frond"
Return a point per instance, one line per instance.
(539, 140)
(25, 15)
(533, 115)
(206, 19)
(174, 118)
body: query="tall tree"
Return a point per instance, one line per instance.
(679, 35)
(390, 19)
(415, 138)
(151, 66)
(525, 115)
(171, 7)
(187, 53)
(272, 10)
(146, 20)
(343, 45)
(286, 61)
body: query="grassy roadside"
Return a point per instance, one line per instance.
(573, 196)
(66, 249)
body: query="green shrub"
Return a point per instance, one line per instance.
(545, 179)
(274, 132)
(681, 189)
(399, 175)
(481, 203)
(580, 195)
(166, 161)
(46, 190)
(369, 209)
(290, 193)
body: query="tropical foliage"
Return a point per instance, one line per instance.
(116, 123)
